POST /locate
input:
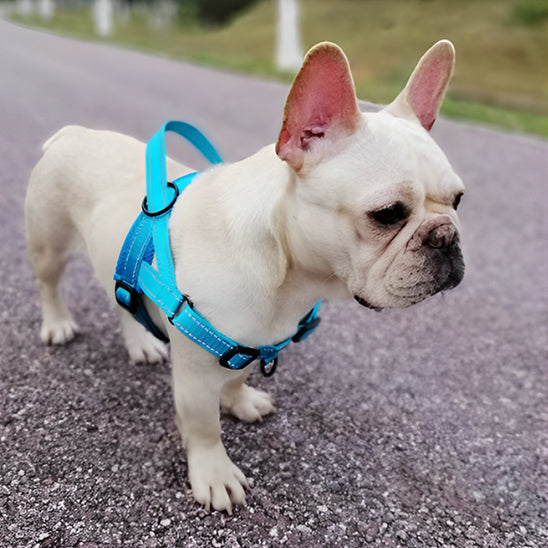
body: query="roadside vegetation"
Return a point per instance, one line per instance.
(501, 76)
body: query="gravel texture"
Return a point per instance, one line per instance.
(419, 427)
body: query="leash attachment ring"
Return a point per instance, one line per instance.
(268, 367)
(144, 205)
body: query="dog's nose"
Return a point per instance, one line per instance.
(442, 236)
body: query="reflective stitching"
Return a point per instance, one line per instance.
(158, 300)
(212, 333)
(137, 263)
(197, 340)
(162, 285)
(142, 250)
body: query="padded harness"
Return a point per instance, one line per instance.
(148, 239)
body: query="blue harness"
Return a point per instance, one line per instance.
(148, 238)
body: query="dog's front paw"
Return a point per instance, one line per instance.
(215, 480)
(247, 403)
(58, 332)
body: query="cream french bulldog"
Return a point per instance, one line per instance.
(345, 205)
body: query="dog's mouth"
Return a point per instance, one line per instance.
(363, 302)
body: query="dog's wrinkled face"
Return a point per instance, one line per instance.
(376, 196)
(399, 239)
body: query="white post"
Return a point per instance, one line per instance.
(102, 14)
(25, 7)
(289, 53)
(46, 9)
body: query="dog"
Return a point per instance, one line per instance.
(345, 205)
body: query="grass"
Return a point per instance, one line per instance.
(501, 76)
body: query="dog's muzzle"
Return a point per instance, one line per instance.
(431, 262)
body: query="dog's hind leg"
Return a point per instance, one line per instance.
(48, 245)
(245, 402)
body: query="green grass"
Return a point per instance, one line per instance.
(496, 116)
(501, 76)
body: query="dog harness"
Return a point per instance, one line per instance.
(148, 239)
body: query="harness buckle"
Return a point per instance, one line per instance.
(126, 296)
(251, 353)
(306, 328)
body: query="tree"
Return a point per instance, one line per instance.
(214, 12)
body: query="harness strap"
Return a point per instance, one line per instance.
(134, 274)
(158, 195)
(148, 239)
(232, 354)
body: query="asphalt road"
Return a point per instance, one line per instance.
(418, 427)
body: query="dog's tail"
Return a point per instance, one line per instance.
(56, 136)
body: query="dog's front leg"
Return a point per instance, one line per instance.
(198, 381)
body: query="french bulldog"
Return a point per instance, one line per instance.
(345, 205)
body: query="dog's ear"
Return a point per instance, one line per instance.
(321, 104)
(422, 97)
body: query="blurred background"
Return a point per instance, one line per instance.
(419, 427)
(501, 75)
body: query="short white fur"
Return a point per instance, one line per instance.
(257, 243)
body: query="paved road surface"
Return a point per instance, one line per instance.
(422, 427)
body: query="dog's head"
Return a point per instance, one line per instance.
(375, 197)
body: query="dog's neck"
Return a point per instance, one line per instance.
(248, 231)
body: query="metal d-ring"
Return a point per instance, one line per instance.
(268, 367)
(144, 205)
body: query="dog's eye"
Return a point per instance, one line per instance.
(456, 202)
(390, 215)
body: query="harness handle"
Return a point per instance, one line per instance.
(161, 193)
(158, 194)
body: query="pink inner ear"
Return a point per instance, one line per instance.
(309, 135)
(324, 95)
(427, 89)
(321, 99)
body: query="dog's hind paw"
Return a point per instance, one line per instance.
(58, 332)
(247, 403)
(148, 350)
